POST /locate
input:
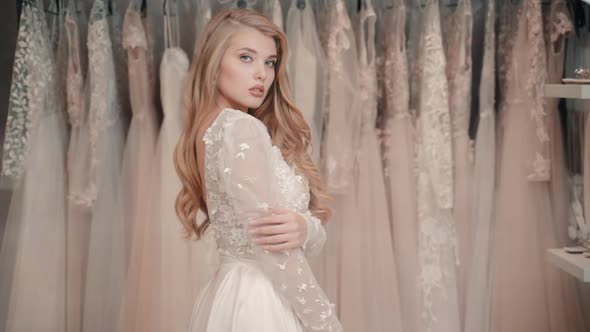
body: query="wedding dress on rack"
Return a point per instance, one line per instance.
(186, 265)
(136, 176)
(34, 164)
(307, 69)
(457, 35)
(108, 244)
(78, 163)
(378, 306)
(337, 266)
(398, 146)
(437, 237)
(523, 226)
(478, 289)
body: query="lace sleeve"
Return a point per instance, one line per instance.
(247, 173)
(316, 235)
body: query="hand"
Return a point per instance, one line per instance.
(282, 230)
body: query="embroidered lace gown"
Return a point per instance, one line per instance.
(457, 26)
(399, 161)
(108, 245)
(32, 256)
(337, 266)
(78, 164)
(377, 307)
(186, 266)
(478, 286)
(522, 276)
(307, 70)
(255, 290)
(138, 156)
(437, 239)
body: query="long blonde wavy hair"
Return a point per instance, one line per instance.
(288, 129)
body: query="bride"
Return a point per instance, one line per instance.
(244, 158)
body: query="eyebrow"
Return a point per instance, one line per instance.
(253, 51)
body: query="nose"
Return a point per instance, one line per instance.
(260, 71)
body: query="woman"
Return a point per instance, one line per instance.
(252, 185)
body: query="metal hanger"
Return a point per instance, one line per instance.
(301, 4)
(56, 12)
(242, 4)
(143, 8)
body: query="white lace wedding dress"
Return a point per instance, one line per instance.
(32, 256)
(437, 239)
(255, 290)
(307, 70)
(107, 248)
(478, 286)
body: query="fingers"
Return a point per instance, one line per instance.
(273, 229)
(273, 240)
(283, 246)
(272, 219)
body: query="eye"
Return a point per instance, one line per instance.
(246, 58)
(271, 63)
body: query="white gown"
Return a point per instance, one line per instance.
(437, 238)
(135, 184)
(276, 14)
(78, 163)
(186, 266)
(307, 70)
(255, 290)
(478, 288)
(32, 256)
(399, 160)
(107, 252)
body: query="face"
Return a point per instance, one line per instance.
(247, 70)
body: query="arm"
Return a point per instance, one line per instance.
(316, 235)
(247, 174)
(287, 229)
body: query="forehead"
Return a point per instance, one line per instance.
(255, 40)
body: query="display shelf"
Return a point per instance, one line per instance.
(576, 91)
(575, 264)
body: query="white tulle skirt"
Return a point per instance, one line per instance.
(33, 252)
(241, 298)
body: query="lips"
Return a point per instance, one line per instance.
(257, 90)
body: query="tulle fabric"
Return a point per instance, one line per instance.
(398, 146)
(307, 70)
(478, 283)
(136, 182)
(32, 256)
(108, 244)
(457, 36)
(524, 228)
(78, 164)
(186, 265)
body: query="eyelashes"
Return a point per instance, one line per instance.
(248, 59)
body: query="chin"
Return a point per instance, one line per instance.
(253, 104)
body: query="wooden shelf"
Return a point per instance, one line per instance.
(575, 91)
(575, 264)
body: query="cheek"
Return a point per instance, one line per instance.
(270, 80)
(229, 79)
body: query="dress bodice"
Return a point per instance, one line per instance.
(230, 232)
